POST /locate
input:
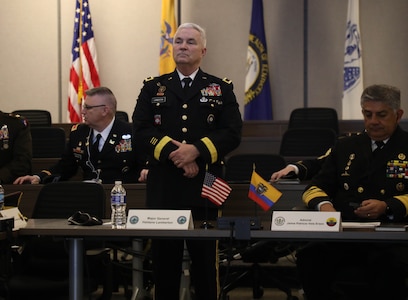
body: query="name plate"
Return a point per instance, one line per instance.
(305, 221)
(159, 219)
(14, 212)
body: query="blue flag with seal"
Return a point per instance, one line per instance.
(258, 99)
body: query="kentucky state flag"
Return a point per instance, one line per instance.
(258, 99)
(262, 192)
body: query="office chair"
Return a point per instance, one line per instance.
(122, 115)
(257, 267)
(306, 142)
(48, 142)
(314, 117)
(42, 270)
(238, 168)
(35, 117)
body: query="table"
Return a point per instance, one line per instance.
(76, 234)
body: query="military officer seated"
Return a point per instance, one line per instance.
(102, 146)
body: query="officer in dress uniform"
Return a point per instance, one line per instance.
(15, 147)
(185, 132)
(111, 159)
(365, 177)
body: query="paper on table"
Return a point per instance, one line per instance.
(360, 224)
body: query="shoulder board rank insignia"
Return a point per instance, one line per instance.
(227, 80)
(148, 79)
(74, 127)
(16, 116)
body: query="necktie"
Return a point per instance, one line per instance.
(187, 81)
(95, 146)
(380, 145)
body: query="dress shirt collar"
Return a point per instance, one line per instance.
(104, 134)
(192, 75)
(374, 145)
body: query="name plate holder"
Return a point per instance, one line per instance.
(15, 214)
(163, 219)
(306, 221)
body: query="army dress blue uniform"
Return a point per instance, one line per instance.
(353, 173)
(15, 147)
(208, 117)
(116, 160)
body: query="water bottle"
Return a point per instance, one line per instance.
(1, 197)
(118, 205)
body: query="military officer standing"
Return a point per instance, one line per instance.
(185, 122)
(15, 147)
(102, 146)
(365, 177)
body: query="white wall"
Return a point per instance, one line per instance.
(36, 38)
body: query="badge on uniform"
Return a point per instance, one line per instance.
(157, 120)
(161, 89)
(4, 136)
(213, 89)
(397, 168)
(125, 144)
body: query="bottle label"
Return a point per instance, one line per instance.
(118, 199)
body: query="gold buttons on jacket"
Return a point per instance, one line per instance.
(184, 117)
(360, 189)
(400, 186)
(184, 129)
(185, 105)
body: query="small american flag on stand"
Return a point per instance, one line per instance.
(215, 189)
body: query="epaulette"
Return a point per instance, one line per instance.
(74, 127)
(148, 79)
(18, 117)
(227, 80)
(14, 116)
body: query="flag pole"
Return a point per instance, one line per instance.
(255, 204)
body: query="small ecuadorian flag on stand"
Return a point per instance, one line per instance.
(262, 192)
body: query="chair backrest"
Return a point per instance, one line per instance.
(12, 199)
(62, 199)
(307, 142)
(122, 115)
(314, 117)
(48, 142)
(238, 168)
(35, 117)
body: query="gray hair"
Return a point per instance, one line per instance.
(104, 91)
(387, 94)
(196, 27)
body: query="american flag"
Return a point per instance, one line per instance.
(84, 69)
(215, 189)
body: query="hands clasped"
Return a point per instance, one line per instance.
(184, 158)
